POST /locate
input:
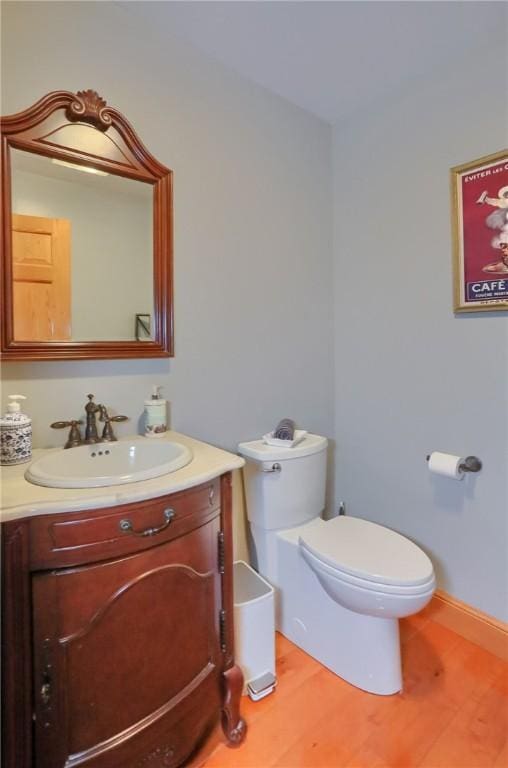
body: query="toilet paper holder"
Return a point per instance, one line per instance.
(470, 464)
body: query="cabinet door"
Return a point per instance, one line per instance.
(127, 656)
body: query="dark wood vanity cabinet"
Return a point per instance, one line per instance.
(118, 646)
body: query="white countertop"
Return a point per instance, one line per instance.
(19, 498)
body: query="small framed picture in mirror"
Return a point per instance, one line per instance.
(143, 327)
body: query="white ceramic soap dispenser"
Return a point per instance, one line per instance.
(15, 434)
(155, 414)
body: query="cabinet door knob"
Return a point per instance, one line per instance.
(127, 527)
(46, 693)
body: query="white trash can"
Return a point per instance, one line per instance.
(254, 630)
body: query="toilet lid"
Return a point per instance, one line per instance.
(368, 551)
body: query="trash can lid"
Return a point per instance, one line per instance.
(247, 584)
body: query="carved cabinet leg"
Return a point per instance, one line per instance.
(233, 725)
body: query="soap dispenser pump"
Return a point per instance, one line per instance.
(155, 414)
(15, 434)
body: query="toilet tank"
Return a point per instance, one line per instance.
(291, 496)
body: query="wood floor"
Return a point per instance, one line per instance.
(453, 712)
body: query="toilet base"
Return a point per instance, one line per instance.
(363, 650)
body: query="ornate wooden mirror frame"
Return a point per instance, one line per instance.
(41, 130)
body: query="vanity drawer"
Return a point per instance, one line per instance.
(60, 540)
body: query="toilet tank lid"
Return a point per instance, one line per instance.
(258, 450)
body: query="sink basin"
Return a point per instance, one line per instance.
(92, 466)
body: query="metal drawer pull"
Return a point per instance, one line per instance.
(126, 525)
(274, 468)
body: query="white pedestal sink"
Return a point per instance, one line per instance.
(93, 466)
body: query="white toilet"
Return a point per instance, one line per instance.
(342, 584)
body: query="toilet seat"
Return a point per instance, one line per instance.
(369, 556)
(375, 587)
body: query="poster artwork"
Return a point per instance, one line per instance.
(481, 197)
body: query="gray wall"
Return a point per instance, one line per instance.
(253, 227)
(410, 377)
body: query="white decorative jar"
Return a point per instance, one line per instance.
(15, 434)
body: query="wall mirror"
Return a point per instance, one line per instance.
(86, 263)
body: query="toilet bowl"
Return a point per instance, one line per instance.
(368, 568)
(340, 585)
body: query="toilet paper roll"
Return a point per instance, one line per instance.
(446, 464)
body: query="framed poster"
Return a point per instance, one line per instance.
(480, 234)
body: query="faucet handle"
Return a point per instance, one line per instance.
(107, 433)
(74, 438)
(104, 415)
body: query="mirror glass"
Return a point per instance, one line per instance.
(82, 252)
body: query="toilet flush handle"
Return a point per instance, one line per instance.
(274, 468)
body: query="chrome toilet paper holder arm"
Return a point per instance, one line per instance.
(470, 464)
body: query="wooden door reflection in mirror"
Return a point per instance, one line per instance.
(41, 286)
(84, 254)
